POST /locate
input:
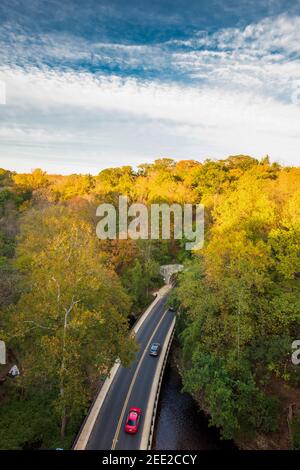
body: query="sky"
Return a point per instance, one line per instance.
(86, 85)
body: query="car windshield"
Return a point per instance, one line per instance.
(131, 421)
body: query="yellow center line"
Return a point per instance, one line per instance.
(115, 439)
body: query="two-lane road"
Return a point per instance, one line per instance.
(131, 387)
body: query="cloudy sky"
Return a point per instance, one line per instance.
(97, 83)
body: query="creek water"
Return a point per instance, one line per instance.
(180, 425)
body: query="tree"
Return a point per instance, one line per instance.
(240, 302)
(71, 318)
(115, 180)
(36, 180)
(72, 186)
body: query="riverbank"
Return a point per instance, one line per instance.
(286, 436)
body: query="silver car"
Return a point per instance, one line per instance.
(155, 349)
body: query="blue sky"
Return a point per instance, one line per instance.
(92, 84)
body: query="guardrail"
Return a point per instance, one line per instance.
(148, 429)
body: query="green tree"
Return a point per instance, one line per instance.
(71, 319)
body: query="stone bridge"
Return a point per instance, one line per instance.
(167, 271)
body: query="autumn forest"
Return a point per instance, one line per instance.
(68, 299)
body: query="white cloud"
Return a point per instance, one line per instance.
(240, 101)
(263, 57)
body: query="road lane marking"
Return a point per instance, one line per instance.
(151, 409)
(85, 432)
(115, 439)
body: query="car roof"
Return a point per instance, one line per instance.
(132, 415)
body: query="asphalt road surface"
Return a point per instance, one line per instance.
(131, 387)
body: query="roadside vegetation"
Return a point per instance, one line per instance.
(241, 310)
(67, 300)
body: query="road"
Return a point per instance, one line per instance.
(131, 387)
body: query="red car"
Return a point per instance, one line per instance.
(133, 419)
